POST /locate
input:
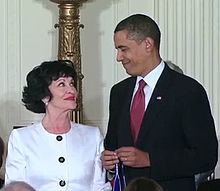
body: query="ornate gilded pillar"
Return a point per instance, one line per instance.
(69, 44)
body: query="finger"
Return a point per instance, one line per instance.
(125, 159)
(109, 159)
(123, 154)
(109, 167)
(125, 149)
(127, 162)
(110, 164)
(108, 153)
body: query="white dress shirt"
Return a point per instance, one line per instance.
(151, 81)
(51, 162)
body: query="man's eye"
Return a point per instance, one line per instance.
(124, 49)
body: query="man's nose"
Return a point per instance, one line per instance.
(119, 57)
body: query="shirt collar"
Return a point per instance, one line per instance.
(152, 77)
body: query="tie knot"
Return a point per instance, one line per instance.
(142, 84)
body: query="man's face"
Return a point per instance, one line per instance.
(132, 54)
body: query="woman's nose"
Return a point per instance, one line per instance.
(71, 89)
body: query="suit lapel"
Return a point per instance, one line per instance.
(125, 137)
(155, 104)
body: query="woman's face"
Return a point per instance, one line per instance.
(64, 94)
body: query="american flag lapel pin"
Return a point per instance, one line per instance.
(159, 97)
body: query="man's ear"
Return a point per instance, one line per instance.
(149, 43)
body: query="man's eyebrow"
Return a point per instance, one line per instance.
(121, 46)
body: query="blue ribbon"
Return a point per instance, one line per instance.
(117, 186)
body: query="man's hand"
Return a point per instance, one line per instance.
(133, 157)
(109, 159)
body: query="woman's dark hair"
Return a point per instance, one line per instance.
(39, 79)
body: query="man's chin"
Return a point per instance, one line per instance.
(131, 73)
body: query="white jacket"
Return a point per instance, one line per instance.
(48, 163)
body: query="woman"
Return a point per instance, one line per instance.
(55, 154)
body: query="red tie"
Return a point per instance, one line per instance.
(137, 110)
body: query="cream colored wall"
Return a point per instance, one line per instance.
(190, 38)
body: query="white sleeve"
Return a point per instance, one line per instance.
(15, 161)
(100, 173)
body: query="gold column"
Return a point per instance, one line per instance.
(69, 44)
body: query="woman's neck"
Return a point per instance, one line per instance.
(57, 124)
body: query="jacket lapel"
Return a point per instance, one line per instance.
(155, 104)
(125, 136)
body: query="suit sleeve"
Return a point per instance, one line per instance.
(111, 136)
(199, 153)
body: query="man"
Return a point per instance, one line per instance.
(176, 138)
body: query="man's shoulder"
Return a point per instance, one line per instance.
(125, 82)
(185, 83)
(181, 79)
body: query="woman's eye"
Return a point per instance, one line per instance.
(72, 84)
(61, 84)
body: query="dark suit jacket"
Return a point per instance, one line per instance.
(211, 185)
(177, 131)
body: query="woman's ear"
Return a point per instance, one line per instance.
(46, 100)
